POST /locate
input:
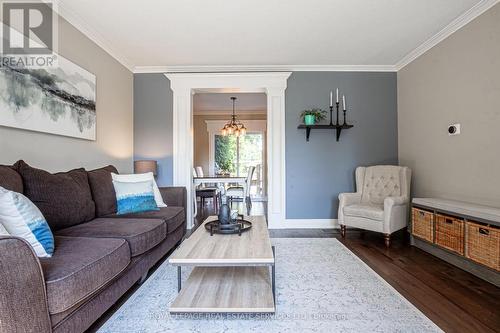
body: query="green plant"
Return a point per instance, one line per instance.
(225, 153)
(319, 114)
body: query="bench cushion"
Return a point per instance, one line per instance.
(172, 216)
(141, 234)
(79, 267)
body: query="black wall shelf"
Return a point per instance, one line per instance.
(338, 129)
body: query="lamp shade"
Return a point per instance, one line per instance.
(145, 166)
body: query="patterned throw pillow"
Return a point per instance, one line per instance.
(134, 197)
(141, 177)
(22, 218)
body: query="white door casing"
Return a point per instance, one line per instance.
(184, 85)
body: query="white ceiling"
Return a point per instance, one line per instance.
(165, 33)
(220, 103)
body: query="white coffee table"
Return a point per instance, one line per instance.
(232, 273)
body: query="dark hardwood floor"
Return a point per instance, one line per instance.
(452, 298)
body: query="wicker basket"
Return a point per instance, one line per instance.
(450, 233)
(422, 225)
(483, 244)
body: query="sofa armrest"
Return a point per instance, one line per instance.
(395, 213)
(346, 199)
(23, 298)
(174, 196)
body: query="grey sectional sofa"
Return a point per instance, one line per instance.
(98, 255)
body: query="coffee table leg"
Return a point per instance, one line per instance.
(273, 276)
(179, 278)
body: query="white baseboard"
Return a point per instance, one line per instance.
(307, 224)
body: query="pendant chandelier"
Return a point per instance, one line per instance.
(234, 126)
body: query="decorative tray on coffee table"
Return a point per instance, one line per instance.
(235, 226)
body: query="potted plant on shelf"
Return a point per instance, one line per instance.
(312, 116)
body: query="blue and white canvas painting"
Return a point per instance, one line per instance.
(59, 100)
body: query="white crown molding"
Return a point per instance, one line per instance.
(448, 30)
(264, 68)
(204, 112)
(80, 24)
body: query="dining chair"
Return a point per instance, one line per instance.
(199, 171)
(206, 191)
(242, 193)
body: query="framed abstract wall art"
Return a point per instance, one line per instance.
(59, 100)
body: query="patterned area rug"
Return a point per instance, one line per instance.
(321, 287)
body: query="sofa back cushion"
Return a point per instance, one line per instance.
(381, 181)
(10, 179)
(103, 191)
(64, 198)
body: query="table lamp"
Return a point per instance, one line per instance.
(144, 166)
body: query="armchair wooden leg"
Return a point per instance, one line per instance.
(342, 230)
(387, 238)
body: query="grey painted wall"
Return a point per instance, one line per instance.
(114, 144)
(153, 123)
(318, 170)
(457, 81)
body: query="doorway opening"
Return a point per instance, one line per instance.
(273, 84)
(219, 154)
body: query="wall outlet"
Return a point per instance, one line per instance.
(454, 129)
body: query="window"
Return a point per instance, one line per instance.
(234, 155)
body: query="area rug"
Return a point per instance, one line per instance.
(321, 287)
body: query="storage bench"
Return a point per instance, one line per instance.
(464, 234)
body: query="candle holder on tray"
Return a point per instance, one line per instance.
(226, 224)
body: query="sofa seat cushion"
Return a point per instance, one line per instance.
(373, 212)
(141, 234)
(79, 267)
(173, 216)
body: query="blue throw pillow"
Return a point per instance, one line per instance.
(22, 218)
(134, 197)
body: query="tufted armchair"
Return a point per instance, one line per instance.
(380, 203)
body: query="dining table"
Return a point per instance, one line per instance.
(218, 179)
